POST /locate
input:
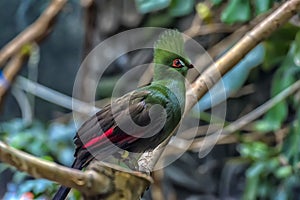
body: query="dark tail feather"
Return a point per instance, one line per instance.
(63, 191)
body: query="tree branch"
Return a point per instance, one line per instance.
(260, 32)
(9, 73)
(33, 33)
(241, 122)
(99, 179)
(218, 69)
(98, 182)
(127, 184)
(87, 182)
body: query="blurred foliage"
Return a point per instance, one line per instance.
(278, 45)
(236, 11)
(272, 168)
(242, 11)
(163, 12)
(233, 80)
(175, 8)
(44, 141)
(286, 74)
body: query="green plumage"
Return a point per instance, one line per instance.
(169, 45)
(102, 135)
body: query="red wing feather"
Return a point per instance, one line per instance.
(99, 138)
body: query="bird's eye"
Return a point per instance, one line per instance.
(177, 63)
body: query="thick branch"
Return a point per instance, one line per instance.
(87, 182)
(238, 51)
(104, 180)
(127, 184)
(34, 32)
(218, 69)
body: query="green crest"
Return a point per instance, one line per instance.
(169, 46)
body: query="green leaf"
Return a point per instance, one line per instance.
(285, 76)
(291, 148)
(275, 53)
(20, 141)
(216, 2)
(159, 20)
(265, 125)
(179, 8)
(284, 172)
(236, 11)
(253, 178)
(262, 6)
(204, 12)
(251, 188)
(278, 45)
(48, 158)
(296, 56)
(275, 117)
(273, 163)
(256, 150)
(146, 6)
(256, 169)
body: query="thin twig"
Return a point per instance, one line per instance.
(34, 33)
(24, 105)
(210, 29)
(260, 32)
(54, 96)
(199, 88)
(12, 68)
(218, 69)
(241, 122)
(201, 61)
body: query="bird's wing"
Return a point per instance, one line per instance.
(103, 134)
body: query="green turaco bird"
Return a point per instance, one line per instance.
(133, 122)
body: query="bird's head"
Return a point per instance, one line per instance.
(169, 53)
